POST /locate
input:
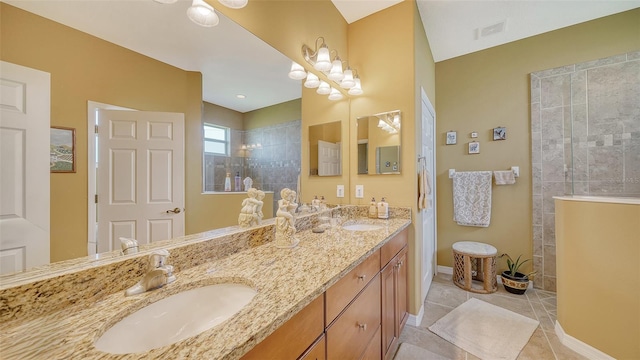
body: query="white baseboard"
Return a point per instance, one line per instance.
(415, 320)
(449, 270)
(578, 346)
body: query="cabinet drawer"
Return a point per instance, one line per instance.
(317, 352)
(341, 293)
(372, 351)
(350, 334)
(391, 248)
(291, 339)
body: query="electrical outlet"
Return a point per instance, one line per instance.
(340, 191)
(359, 191)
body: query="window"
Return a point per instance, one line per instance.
(216, 140)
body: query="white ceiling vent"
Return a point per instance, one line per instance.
(491, 29)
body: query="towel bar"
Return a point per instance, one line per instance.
(515, 169)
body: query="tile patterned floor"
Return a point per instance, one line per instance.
(444, 296)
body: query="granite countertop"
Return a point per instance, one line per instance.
(286, 281)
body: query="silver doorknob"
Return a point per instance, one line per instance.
(175, 211)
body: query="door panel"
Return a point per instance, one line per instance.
(328, 158)
(24, 167)
(429, 214)
(141, 168)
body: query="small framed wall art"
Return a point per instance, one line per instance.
(62, 150)
(451, 137)
(474, 147)
(474, 135)
(499, 133)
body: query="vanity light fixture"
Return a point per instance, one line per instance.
(323, 88)
(348, 82)
(336, 74)
(297, 72)
(202, 14)
(312, 81)
(335, 94)
(234, 4)
(389, 122)
(357, 88)
(319, 58)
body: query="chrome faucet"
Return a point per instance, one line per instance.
(158, 275)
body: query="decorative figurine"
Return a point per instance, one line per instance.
(285, 222)
(248, 183)
(249, 215)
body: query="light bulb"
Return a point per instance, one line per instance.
(335, 94)
(323, 88)
(348, 82)
(357, 88)
(297, 71)
(323, 62)
(312, 81)
(336, 73)
(202, 14)
(234, 4)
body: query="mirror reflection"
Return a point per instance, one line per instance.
(379, 143)
(325, 149)
(256, 137)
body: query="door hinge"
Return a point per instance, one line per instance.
(96, 198)
(96, 129)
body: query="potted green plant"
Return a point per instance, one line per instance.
(514, 281)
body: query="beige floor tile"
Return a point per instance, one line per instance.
(432, 342)
(518, 305)
(562, 352)
(537, 348)
(448, 295)
(432, 313)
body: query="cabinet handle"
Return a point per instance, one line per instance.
(362, 326)
(362, 277)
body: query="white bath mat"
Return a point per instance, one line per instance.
(408, 351)
(486, 331)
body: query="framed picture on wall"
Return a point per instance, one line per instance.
(474, 147)
(451, 138)
(62, 150)
(499, 133)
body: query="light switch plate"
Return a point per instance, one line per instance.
(359, 191)
(340, 191)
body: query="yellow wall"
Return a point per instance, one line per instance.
(490, 88)
(274, 114)
(86, 68)
(599, 275)
(218, 115)
(225, 207)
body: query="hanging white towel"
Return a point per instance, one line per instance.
(472, 198)
(505, 177)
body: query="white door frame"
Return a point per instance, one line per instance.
(429, 106)
(92, 109)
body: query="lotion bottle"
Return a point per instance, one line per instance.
(373, 209)
(383, 209)
(227, 182)
(238, 182)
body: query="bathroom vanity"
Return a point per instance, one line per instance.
(343, 293)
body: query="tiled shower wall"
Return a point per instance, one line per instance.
(585, 136)
(272, 167)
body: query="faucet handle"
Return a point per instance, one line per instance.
(158, 258)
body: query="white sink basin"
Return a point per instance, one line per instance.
(175, 318)
(361, 227)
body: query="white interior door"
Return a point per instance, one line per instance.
(24, 167)
(328, 158)
(429, 215)
(140, 177)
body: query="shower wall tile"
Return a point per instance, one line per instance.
(586, 116)
(538, 282)
(555, 91)
(550, 260)
(552, 121)
(549, 229)
(549, 190)
(536, 173)
(601, 62)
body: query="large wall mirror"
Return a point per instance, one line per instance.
(269, 136)
(379, 143)
(325, 149)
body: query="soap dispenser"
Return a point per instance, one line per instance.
(227, 182)
(373, 209)
(383, 209)
(237, 179)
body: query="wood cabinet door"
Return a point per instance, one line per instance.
(388, 331)
(401, 278)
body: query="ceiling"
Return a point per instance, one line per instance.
(236, 62)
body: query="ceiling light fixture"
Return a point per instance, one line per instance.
(202, 14)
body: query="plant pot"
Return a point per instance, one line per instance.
(517, 284)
